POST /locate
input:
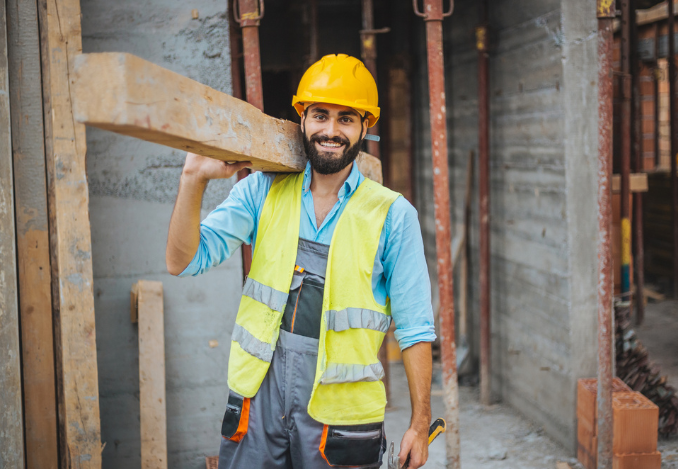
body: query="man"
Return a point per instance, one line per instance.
(335, 257)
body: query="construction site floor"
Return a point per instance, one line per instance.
(494, 437)
(659, 334)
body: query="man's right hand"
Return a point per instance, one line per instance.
(204, 168)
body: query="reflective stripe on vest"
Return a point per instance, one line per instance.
(271, 297)
(251, 344)
(336, 373)
(357, 318)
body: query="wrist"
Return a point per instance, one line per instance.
(194, 179)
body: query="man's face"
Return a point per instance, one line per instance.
(332, 136)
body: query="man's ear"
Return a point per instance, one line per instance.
(303, 121)
(364, 132)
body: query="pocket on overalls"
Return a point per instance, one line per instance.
(236, 418)
(353, 445)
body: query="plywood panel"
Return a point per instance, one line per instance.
(147, 310)
(30, 191)
(11, 428)
(70, 239)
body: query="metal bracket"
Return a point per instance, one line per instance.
(425, 16)
(374, 31)
(251, 16)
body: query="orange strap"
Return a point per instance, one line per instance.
(323, 440)
(244, 421)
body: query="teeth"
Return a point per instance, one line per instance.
(330, 144)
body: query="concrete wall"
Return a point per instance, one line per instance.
(133, 185)
(542, 197)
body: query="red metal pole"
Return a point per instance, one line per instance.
(626, 132)
(313, 32)
(368, 48)
(639, 252)
(484, 201)
(605, 13)
(433, 17)
(247, 13)
(249, 22)
(674, 144)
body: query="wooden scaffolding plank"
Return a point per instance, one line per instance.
(147, 310)
(11, 419)
(32, 232)
(70, 240)
(131, 96)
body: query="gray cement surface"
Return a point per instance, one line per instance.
(659, 334)
(491, 437)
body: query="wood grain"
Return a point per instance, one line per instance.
(150, 317)
(30, 195)
(131, 96)
(70, 240)
(11, 418)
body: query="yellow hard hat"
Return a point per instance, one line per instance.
(339, 79)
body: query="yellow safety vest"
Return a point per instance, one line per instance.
(347, 389)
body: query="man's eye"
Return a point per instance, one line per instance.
(346, 120)
(320, 116)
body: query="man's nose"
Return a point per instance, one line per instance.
(332, 129)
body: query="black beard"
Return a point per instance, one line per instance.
(326, 162)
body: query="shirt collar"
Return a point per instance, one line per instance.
(350, 185)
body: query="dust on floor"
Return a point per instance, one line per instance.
(495, 437)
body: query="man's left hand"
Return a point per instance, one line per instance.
(414, 445)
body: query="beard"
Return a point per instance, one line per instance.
(328, 162)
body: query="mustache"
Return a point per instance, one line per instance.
(325, 138)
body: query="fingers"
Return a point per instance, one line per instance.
(405, 448)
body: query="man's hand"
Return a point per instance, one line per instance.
(204, 168)
(184, 233)
(414, 445)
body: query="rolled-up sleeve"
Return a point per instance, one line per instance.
(231, 224)
(407, 280)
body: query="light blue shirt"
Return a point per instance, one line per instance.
(399, 273)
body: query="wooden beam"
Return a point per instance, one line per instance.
(147, 309)
(637, 182)
(70, 239)
(11, 418)
(131, 96)
(30, 192)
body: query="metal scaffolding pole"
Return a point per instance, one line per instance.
(626, 133)
(248, 13)
(433, 17)
(673, 143)
(605, 12)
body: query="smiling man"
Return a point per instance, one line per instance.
(336, 258)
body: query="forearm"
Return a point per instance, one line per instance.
(418, 368)
(183, 239)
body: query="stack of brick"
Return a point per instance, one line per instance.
(634, 426)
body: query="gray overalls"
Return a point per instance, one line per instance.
(280, 433)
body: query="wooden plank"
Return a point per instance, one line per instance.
(30, 192)
(70, 240)
(11, 419)
(131, 96)
(150, 316)
(638, 182)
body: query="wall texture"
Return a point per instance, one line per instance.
(542, 199)
(133, 185)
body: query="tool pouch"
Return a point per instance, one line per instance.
(353, 445)
(236, 418)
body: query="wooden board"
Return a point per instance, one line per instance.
(149, 313)
(70, 239)
(637, 181)
(30, 193)
(131, 96)
(11, 433)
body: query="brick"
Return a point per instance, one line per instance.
(637, 461)
(635, 422)
(648, 126)
(646, 88)
(587, 450)
(648, 145)
(587, 390)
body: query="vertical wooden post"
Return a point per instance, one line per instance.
(147, 311)
(11, 428)
(70, 240)
(30, 190)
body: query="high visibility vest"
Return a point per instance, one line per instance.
(347, 389)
